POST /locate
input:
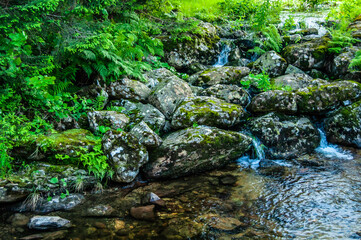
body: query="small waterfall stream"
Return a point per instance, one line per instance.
(223, 56)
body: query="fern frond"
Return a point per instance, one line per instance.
(356, 62)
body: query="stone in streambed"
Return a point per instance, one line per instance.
(125, 154)
(195, 150)
(143, 213)
(146, 135)
(47, 222)
(208, 111)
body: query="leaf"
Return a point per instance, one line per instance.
(54, 180)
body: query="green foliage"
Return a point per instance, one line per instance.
(356, 62)
(340, 39)
(290, 24)
(273, 39)
(262, 83)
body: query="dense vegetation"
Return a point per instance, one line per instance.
(50, 49)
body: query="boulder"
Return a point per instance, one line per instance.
(58, 203)
(125, 154)
(208, 111)
(156, 76)
(146, 135)
(292, 69)
(344, 126)
(111, 119)
(270, 62)
(297, 81)
(355, 27)
(274, 101)
(341, 62)
(168, 94)
(285, 137)
(228, 93)
(219, 75)
(48, 222)
(195, 150)
(128, 89)
(323, 98)
(308, 55)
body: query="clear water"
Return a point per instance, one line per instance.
(223, 56)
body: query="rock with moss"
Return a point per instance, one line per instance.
(111, 119)
(143, 112)
(284, 136)
(355, 28)
(63, 143)
(270, 62)
(95, 92)
(344, 126)
(168, 94)
(194, 150)
(297, 80)
(228, 93)
(219, 75)
(341, 62)
(208, 111)
(274, 101)
(323, 98)
(201, 47)
(292, 69)
(146, 135)
(308, 55)
(128, 89)
(125, 154)
(154, 77)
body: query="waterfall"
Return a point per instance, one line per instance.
(247, 161)
(223, 56)
(330, 150)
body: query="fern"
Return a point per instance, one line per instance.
(273, 38)
(340, 39)
(356, 62)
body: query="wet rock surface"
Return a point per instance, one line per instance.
(48, 222)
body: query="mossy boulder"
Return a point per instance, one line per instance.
(308, 55)
(128, 89)
(208, 111)
(344, 126)
(355, 28)
(323, 98)
(228, 93)
(284, 136)
(110, 119)
(146, 135)
(168, 94)
(194, 150)
(125, 154)
(341, 62)
(154, 77)
(219, 75)
(270, 62)
(297, 81)
(274, 101)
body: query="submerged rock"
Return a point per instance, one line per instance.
(344, 126)
(228, 93)
(208, 111)
(274, 101)
(168, 94)
(319, 99)
(100, 211)
(195, 150)
(125, 154)
(285, 136)
(143, 213)
(270, 62)
(48, 222)
(128, 89)
(110, 119)
(219, 75)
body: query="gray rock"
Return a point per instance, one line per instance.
(292, 69)
(128, 89)
(208, 111)
(285, 136)
(272, 63)
(297, 81)
(168, 94)
(228, 93)
(58, 204)
(342, 61)
(100, 211)
(219, 75)
(110, 119)
(156, 76)
(146, 135)
(195, 150)
(18, 220)
(125, 154)
(47, 222)
(274, 101)
(95, 91)
(344, 126)
(320, 99)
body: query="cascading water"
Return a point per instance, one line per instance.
(330, 150)
(223, 56)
